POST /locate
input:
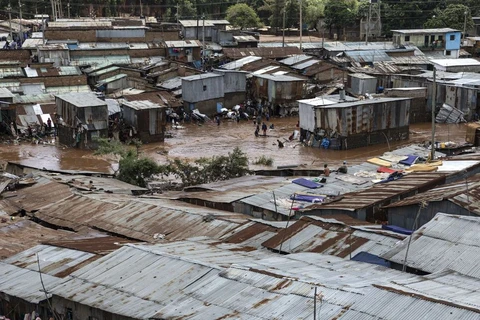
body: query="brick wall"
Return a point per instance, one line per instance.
(21, 55)
(72, 34)
(57, 81)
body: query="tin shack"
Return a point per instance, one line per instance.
(360, 83)
(82, 117)
(355, 124)
(281, 92)
(204, 92)
(235, 86)
(148, 119)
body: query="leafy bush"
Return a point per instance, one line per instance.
(263, 160)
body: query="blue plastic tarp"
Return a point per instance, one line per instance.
(370, 258)
(307, 183)
(410, 160)
(397, 229)
(307, 198)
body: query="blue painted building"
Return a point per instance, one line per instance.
(441, 39)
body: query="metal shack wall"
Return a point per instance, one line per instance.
(363, 85)
(234, 82)
(203, 89)
(306, 113)
(284, 91)
(364, 118)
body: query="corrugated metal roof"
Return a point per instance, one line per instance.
(103, 71)
(25, 284)
(295, 59)
(79, 23)
(458, 288)
(445, 242)
(183, 44)
(135, 276)
(141, 105)
(202, 76)
(20, 234)
(237, 64)
(383, 192)
(82, 99)
(112, 79)
(34, 198)
(253, 233)
(73, 212)
(148, 219)
(279, 78)
(454, 192)
(54, 261)
(11, 72)
(100, 60)
(305, 64)
(264, 52)
(69, 71)
(425, 31)
(67, 89)
(171, 84)
(100, 245)
(314, 234)
(200, 23)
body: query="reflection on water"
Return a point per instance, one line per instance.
(209, 139)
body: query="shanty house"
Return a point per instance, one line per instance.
(235, 86)
(147, 118)
(59, 54)
(445, 39)
(360, 83)
(280, 91)
(193, 29)
(204, 92)
(184, 51)
(82, 118)
(460, 198)
(356, 123)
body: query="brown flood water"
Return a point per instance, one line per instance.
(211, 140)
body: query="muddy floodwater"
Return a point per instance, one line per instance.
(209, 139)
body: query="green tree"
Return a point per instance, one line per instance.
(340, 13)
(243, 16)
(205, 170)
(453, 16)
(314, 11)
(131, 168)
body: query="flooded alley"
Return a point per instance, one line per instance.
(195, 141)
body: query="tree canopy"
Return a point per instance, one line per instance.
(243, 16)
(453, 16)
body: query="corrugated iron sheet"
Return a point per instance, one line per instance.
(446, 242)
(35, 197)
(453, 192)
(144, 220)
(99, 245)
(24, 283)
(382, 192)
(54, 261)
(20, 234)
(314, 234)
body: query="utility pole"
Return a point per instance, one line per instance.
(315, 304)
(43, 28)
(20, 16)
(178, 15)
(141, 9)
(9, 10)
(283, 28)
(52, 2)
(203, 41)
(368, 21)
(68, 9)
(434, 104)
(464, 26)
(301, 25)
